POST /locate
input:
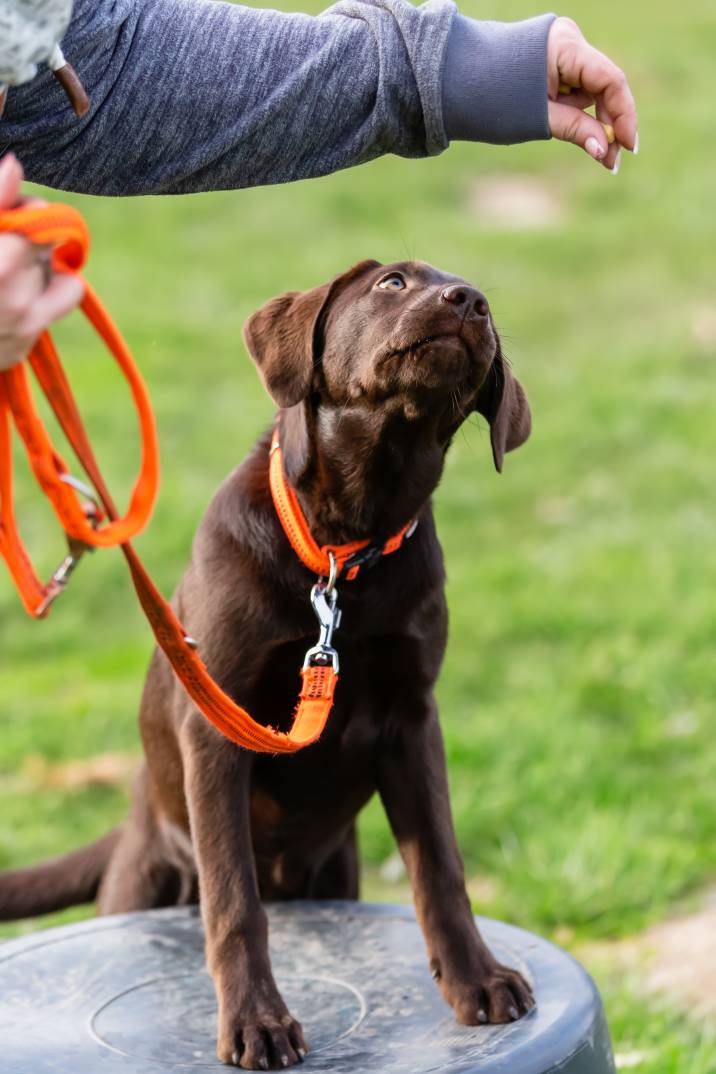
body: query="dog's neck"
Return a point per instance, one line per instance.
(359, 473)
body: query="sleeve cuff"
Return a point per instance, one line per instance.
(495, 80)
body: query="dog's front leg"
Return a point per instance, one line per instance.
(255, 1029)
(413, 786)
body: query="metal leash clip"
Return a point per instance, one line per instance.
(324, 597)
(76, 549)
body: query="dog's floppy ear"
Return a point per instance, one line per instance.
(503, 402)
(284, 337)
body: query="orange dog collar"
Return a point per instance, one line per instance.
(323, 560)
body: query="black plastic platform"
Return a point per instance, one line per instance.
(130, 995)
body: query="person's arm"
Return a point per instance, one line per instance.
(202, 95)
(31, 295)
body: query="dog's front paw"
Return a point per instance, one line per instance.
(264, 1037)
(491, 993)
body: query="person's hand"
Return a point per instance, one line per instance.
(594, 80)
(31, 295)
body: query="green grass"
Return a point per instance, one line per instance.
(654, 1039)
(577, 695)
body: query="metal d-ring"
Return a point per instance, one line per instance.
(77, 548)
(332, 574)
(86, 491)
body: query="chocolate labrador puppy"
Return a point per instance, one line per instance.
(373, 373)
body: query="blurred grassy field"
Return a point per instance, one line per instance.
(578, 692)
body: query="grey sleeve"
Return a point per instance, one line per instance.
(192, 95)
(495, 80)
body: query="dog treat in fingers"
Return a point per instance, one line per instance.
(565, 90)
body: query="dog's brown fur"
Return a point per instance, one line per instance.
(374, 372)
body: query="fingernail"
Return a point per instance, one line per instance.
(617, 163)
(635, 150)
(594, 148)
(481, 1017)
(301, 1052)
(513, 1014)
(284, 1060)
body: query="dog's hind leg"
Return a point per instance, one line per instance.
(145, 871)
(138, 878)
(339, 875)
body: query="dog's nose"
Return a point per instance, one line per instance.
(465, 298)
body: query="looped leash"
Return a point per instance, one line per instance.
(88, 525)
(80, 516)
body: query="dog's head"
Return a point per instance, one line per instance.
(405, 336)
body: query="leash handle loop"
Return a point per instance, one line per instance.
(64, 229)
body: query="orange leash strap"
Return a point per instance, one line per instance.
(64, 229)
(315, 700)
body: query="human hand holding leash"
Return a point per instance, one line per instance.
(579, 76)
(31, 295)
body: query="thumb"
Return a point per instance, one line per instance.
(10, 180)
(571, 124)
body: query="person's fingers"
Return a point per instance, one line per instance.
(31, 296)
(573, 125)
(612, 159)
(598, 75)
(10, 355)
(10, 180)
(63, 294)
(16, 254)
(573, 62)
(24, 274)
(577, 99)
(583, 101)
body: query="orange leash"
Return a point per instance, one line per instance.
(64, 229)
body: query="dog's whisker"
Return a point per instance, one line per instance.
(341, 414)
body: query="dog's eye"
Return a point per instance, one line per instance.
(394, 282)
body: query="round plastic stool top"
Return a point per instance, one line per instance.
(130, 995)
